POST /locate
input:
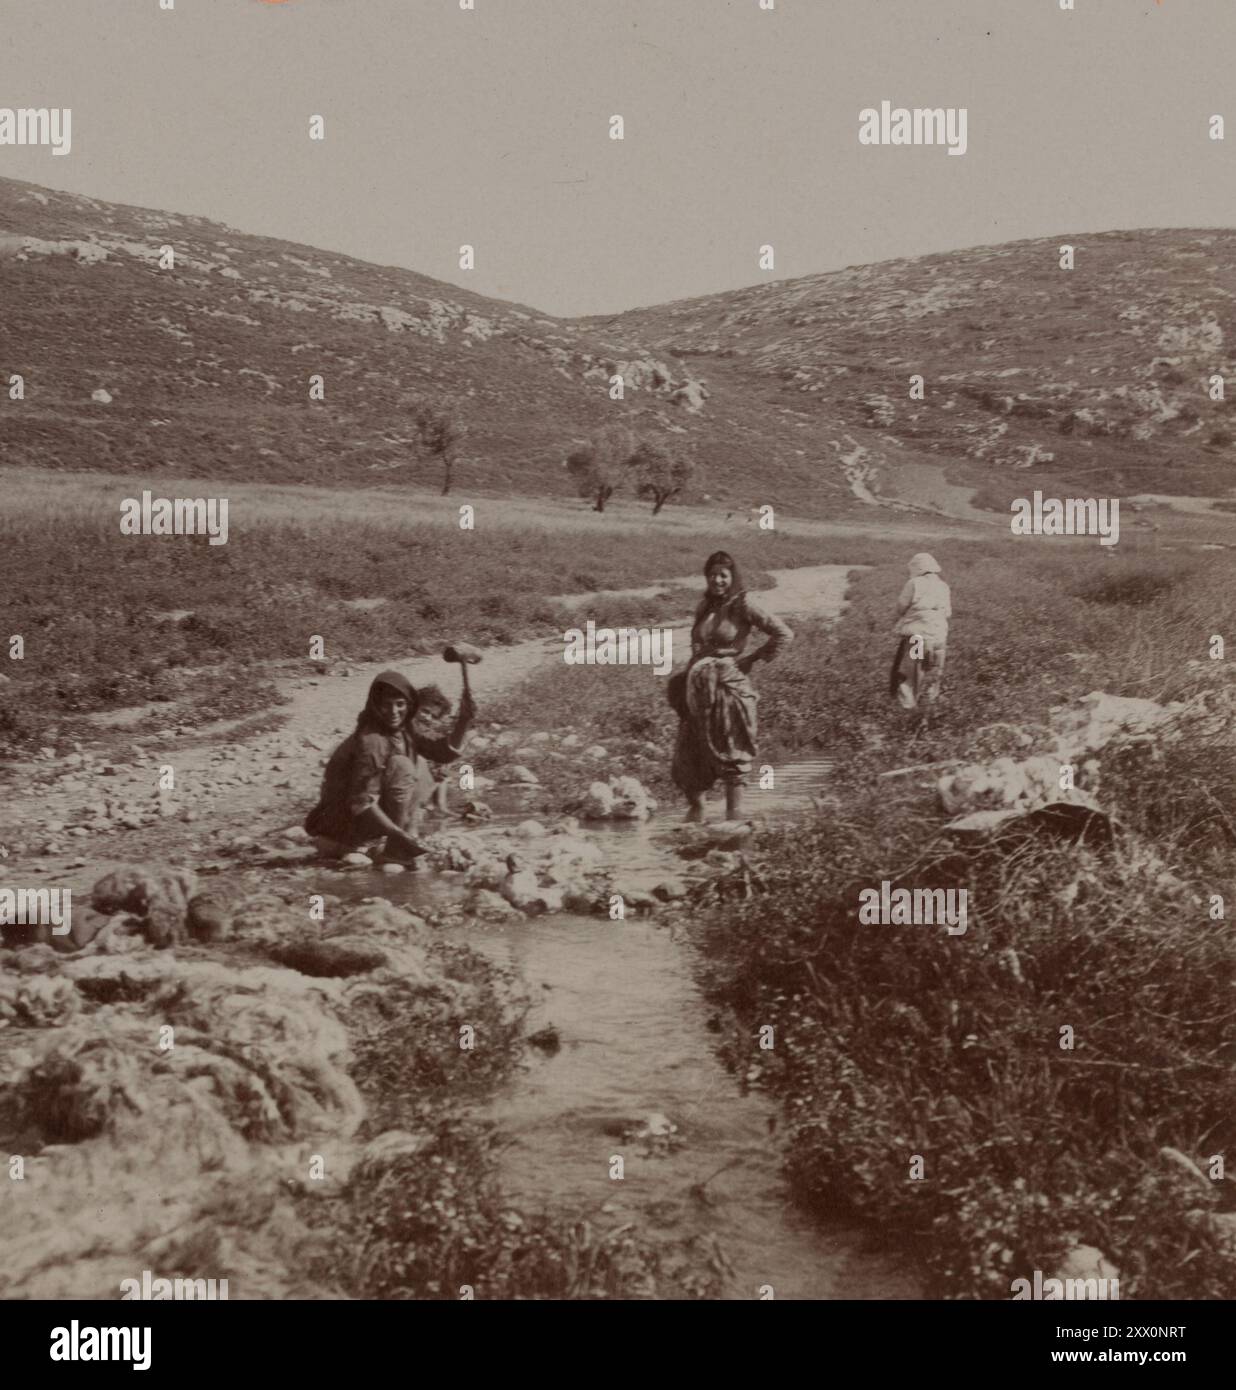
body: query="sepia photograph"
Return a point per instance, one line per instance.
(617, 670)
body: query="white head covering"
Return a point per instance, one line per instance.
(922, 563)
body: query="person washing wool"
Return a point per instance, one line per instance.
(377, 780)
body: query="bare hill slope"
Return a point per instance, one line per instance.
(795, 392)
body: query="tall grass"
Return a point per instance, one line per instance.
(110, 620)
(897, 1041)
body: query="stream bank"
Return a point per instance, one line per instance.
(629, 1075)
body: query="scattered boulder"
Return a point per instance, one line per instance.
(208, 917)
(1033, 784)
(564, 848)
(1068, 820)
(523, 776)
(579, 897)
(723, 860)
(485, 903)
(520, 887)
(654, 1126)
(1223, 1224)
(1007, 783)
(699, 841)
(598, 803)
(621, 798)
(669, 889)
(488, 874)
(377, 917)
(1100, 719)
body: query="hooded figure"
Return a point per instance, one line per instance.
(713, 697)
(924, 608)
(375, 781)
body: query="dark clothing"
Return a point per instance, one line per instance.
(915, 681)
(371, 768)
(377, 766)
(716, 700)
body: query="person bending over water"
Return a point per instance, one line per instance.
(713, 696)
(377, 780)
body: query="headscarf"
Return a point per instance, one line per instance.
(722, 559)
(922, 563)
(392, 680)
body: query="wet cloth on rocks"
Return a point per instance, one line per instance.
(375, 766)
(715, 699)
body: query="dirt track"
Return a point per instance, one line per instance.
(260, 785)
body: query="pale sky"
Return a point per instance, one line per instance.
(491, 127)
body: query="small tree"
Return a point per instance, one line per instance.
(440, 433)
(598, 466)
(662, 469)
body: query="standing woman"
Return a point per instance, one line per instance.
(713, 697)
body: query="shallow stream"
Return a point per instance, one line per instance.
(636, 1056)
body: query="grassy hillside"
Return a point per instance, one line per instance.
(793, 392)
(208, 364)
(1095, 378)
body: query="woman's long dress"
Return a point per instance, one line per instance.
(718, 723)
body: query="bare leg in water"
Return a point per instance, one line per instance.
(733, 801)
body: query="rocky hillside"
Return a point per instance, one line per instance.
(1095, 377)
(795, 392)
(204, 369)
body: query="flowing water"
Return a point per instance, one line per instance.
(636, 1057)
(636, 1074)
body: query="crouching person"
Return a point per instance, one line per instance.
(377, 779)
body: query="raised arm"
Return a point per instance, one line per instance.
(447, 749)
